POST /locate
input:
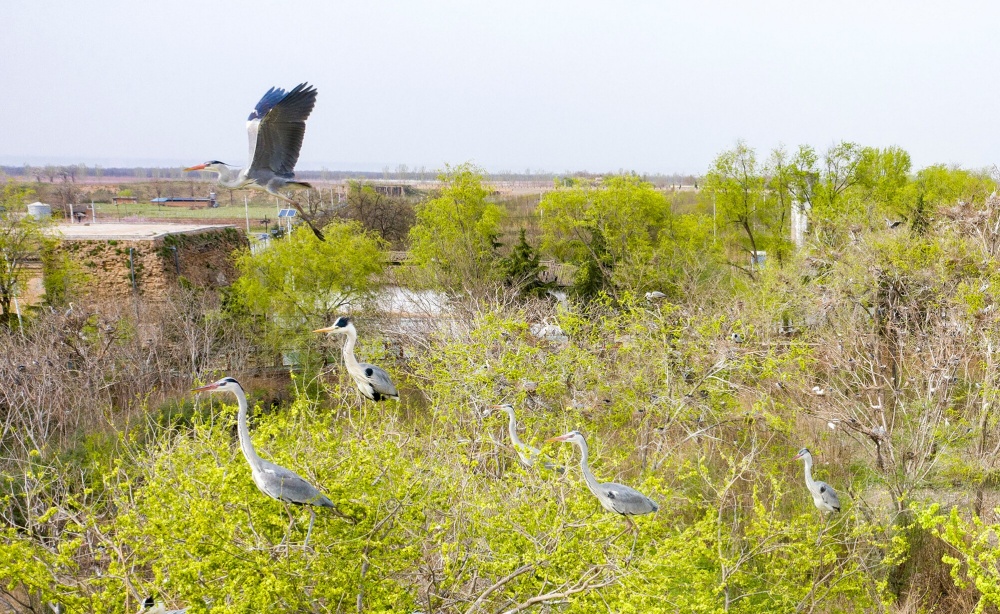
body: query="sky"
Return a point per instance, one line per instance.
(652, 87)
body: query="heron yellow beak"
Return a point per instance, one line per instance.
(328, 329)
(206, 388)
(559, 438)
(797, 457)
(196, 167)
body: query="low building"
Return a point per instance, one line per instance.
(177, 201)
(149, 260)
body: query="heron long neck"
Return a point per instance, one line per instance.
(229, 177)
(241, 426)
(349, 360)
(592, 482)
(810, 482)
(512, 428)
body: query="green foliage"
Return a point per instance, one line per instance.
(62, 276)
(520, 268)
(745, 205)
(610, 231)
(454, 238)
(974, 558)
(298, 283)
(20, 238)
(941, 186)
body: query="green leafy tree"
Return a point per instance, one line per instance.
(939, 186)
(521, 267)
(20, 239)
(739, 185)
(300, 281)
(455, 234)
(609, 230)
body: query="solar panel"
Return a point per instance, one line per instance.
(286, 213)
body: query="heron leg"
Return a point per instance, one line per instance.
(312, 519)
(270, 190)
(822, 529)
(288, 532)
(635, 538)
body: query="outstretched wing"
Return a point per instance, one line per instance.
(379, 380)
(276, 127)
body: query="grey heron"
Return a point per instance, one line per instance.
(614, 497)
(526, 453)
(275, 127)
(372, 381)
(655, 295)
(273, 480)
(824, 497)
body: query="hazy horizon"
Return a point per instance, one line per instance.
(565, 86)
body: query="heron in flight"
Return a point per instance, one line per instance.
(275, 127)
(613, 497)
(372, 381)
(273, 480)
(824, 497)
(526, 453)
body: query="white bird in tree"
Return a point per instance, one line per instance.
(526, 453)
(273, 480)
(823, 495)
(372, 381)
(275, 127)
(614, 497)
(150, 606)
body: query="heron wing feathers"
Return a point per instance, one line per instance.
(284, 484)
(276, 128)
(628, 501)
(379, 380)
(829, 496)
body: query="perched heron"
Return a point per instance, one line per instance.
(736, 338)
(823, 494)
(655, 295)
(275, 127)
(273, 480)
(372, 381)
(526, 453)
(614, 497)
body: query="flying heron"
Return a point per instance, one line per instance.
(526, 453)
(273, 480)
(613, 497)
(275, 127)
(372, 381)
(823, 494)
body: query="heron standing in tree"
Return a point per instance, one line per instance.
(613, 497)
(372, 381)
(273, 480)
(275, 127)
(526, 453)
(824, 497)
